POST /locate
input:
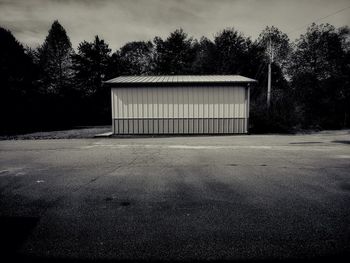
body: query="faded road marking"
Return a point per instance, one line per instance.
(155, 146)
(342, 156)
(215, 147)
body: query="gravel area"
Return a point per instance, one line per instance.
(79, 133)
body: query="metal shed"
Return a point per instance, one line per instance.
(205, 104)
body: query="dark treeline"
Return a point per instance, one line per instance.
(55, 86)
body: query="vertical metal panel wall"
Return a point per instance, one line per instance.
(180, 110)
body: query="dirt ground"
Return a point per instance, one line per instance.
(78, 133)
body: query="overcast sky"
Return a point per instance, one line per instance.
(120, 21)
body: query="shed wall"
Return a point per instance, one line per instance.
(178, 110)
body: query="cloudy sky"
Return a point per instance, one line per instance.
(120, 21)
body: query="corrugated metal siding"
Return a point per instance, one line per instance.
(183, 110)
(182, 102)
(180, 126)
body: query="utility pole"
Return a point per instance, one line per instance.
(269, 48)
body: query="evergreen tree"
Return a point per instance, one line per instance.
(231, 52)
(176, 54)
(205, 61)
(17, 93)
(54, 58)
(15, 64)
(90, 65)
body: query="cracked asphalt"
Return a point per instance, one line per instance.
(281, 197)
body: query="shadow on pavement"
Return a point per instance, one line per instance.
(337, 258)
(13, 233)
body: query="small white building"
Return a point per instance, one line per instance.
(180, 104)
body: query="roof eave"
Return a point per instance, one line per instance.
(140, 84)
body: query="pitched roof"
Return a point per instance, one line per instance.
(184, 79)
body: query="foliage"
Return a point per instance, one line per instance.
(175, 54)
(231, 52)
(280, 45)
(205, 59)
(90, 65)
(17, 90)
(15, 65)
(136, 58)
(55, 60)
(52, 87)
(320, 73)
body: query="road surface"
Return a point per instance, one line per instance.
(177, 198)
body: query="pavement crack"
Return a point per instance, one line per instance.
(96, 178)
(93, 180)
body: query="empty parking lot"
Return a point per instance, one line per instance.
(179, 198)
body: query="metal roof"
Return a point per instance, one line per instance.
(174, 79)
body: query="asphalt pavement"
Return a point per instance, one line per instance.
(247, 197)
